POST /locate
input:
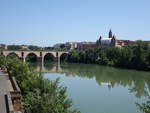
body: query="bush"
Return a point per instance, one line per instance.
(40, 95)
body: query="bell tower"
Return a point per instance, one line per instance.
(110, 34)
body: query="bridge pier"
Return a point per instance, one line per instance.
(57, 59)
(22, 59)
(41, 59)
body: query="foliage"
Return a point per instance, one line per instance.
(144, 107)
(48, 48)
(39, 94)
(13, 47)
(2, 60)
(31, 58)
(135, 57)
(35, 48)
(48, 57)
(12, 56)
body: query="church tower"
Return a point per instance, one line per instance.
(110, 34)
(113, 41)
(100, 38)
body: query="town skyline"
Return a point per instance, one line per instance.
(85, 41)
(46, 23)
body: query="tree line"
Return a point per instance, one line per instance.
(29, 47)
(34, 48)
(136, 56)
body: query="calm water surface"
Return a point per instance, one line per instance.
(100, 89)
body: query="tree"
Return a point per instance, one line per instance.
(136, 56)
(40, 95)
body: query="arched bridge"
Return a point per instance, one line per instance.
(40, 54)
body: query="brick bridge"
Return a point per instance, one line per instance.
(39, 54)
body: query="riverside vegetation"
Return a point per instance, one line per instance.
(40, 95)
(44, 96)
(131, 57)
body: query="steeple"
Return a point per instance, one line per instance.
(114, 37)
(110, 34)
(100, 37)
(113, 40)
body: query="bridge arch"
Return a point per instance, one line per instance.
(39, 54)
(13, 54)
(63, 56)
(31, 57)
(26, 53)
(46, 52)
(5, 53)
(48, 57)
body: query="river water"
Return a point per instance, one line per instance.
(101, 89)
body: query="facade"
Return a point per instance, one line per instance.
(110, 41)
(86, 45)
(71, 45)
(24, 47)
(113, 41)
(148, 42)
(3, 46)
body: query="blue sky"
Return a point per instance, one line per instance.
(46, 22)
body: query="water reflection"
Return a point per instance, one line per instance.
(137, 81)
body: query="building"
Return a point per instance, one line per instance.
(86, 45)
(113, 41)
(148, 42)
(24, 47)
(67, 45)
(3, 46)
(71, 45)
(110, 41)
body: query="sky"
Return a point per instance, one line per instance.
(47, 22)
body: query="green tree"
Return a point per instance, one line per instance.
(40, 95)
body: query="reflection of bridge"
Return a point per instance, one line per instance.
(39, 54)
(51, 69)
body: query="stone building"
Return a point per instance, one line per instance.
(71, 45)
(86, 45)
(112, 41)
(109, 41)
(24, 47)
(3, 46)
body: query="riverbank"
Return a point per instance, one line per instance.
(39, 95)
(129, 57)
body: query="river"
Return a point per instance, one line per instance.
(101, 89)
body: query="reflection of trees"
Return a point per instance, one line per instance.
(144, 107)
(138, 82)
(139, 89)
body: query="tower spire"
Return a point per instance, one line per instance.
(110, 34)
